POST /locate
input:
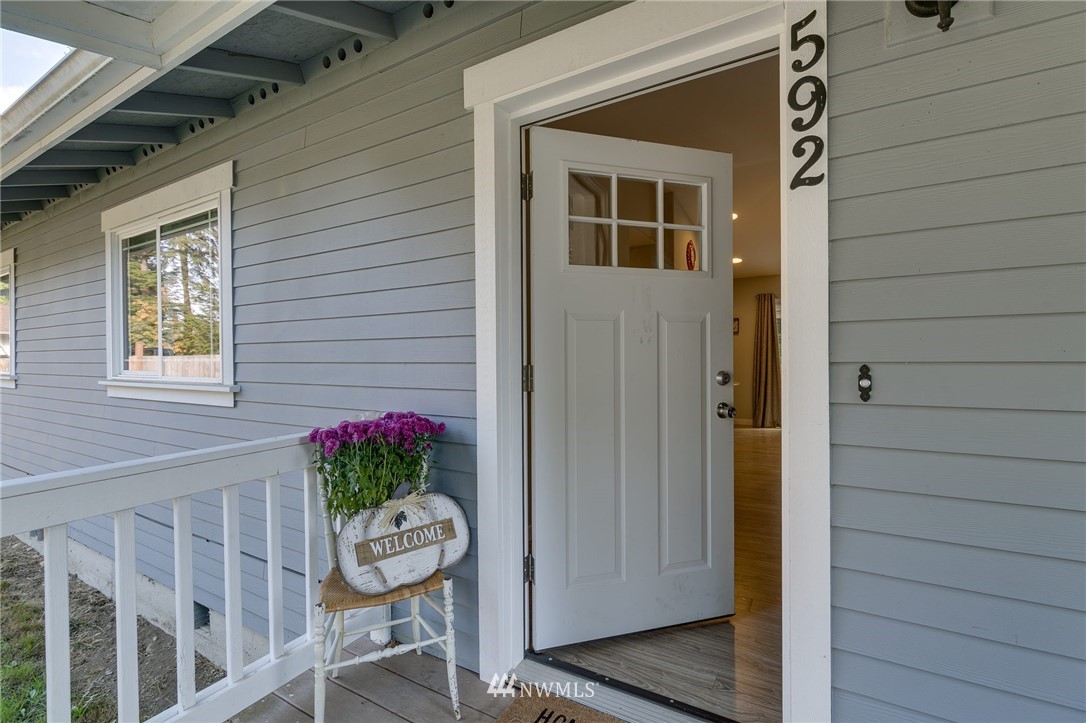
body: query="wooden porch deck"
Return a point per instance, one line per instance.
(401, 688)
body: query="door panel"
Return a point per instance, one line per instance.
(684, 476)
(593, 426)
(630, 249)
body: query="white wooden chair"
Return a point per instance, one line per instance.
(338, 598)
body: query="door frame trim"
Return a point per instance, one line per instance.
(622, 51)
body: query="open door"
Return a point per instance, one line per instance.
(631, 277)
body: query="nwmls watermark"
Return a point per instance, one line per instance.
(508, 685)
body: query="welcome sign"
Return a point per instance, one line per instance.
(375, 557)
(367, 552)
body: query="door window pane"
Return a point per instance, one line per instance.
(682, 250)
(682, 204)
(589, 195)
(637, 247)
(637, 200)
(589, 244)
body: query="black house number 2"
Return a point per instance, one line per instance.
(816, 102)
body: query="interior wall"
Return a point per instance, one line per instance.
(744, 306)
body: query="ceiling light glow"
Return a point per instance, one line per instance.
(737, 260)
(734, 215)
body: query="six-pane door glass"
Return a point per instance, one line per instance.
(635, 222)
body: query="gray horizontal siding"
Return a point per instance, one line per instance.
(957, 199)
(353, 289)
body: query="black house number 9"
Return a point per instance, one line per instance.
(816, 102)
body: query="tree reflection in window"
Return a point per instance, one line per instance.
(172, 300)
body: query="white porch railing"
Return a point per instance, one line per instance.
(52, 501)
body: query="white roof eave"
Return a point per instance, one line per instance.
(84, 85)
(44, 115)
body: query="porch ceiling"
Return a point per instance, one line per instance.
(60, 137)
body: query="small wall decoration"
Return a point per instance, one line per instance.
(691, 255)
(735, 324)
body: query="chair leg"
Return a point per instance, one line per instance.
(415, 623)
(339, 640)
(318, 664)
(450, 647)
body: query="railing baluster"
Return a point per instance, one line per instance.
(312, 584)
(183, 600)
(275, 568)
(124, 594)
(231, 534)
(56, 500)
(58, 685)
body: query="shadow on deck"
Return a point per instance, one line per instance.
(404, 687)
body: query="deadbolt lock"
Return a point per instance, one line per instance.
(723, 378)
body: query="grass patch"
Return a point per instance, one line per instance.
(22, 662)
(22, 650)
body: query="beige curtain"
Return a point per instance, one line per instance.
(767, 365)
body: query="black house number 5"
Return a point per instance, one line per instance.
(816, 102)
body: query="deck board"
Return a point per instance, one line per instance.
(404, 688)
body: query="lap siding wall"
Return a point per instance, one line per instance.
(957, 200)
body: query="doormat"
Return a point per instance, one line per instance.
(552, 709)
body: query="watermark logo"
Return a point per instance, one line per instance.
(504, 686)
(508, 685)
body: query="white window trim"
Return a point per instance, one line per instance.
(207, 189)
(658, 42)
(8, 380)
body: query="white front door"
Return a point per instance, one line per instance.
(630, 325)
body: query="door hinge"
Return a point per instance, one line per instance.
(529, 568)
(527, 186)
(527, 378)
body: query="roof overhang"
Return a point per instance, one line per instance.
(116, 56)
(148, 74)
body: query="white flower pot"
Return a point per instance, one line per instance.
(376, 559)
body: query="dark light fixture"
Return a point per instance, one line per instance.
(931, 8)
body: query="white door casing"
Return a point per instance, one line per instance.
(632, 467)
(627, 50)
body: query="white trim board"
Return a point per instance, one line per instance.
(623, 51)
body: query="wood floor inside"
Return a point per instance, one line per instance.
(732, 668)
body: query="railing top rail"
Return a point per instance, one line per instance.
(60, 497)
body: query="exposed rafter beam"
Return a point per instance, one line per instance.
(33, 177)
(86, 26)
(113, 133)
(19, 206)
(33, 193)
(81, 159)
(187, 106)
(250, 67)
(10, 217)
(348, 16)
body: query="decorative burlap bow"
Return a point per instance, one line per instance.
(397, 509)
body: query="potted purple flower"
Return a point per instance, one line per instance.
(374, 474)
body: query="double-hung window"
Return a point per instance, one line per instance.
(169, 293)
(7, 318)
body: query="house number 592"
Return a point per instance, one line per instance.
(816, 102)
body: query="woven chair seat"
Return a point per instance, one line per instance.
(337, 595)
